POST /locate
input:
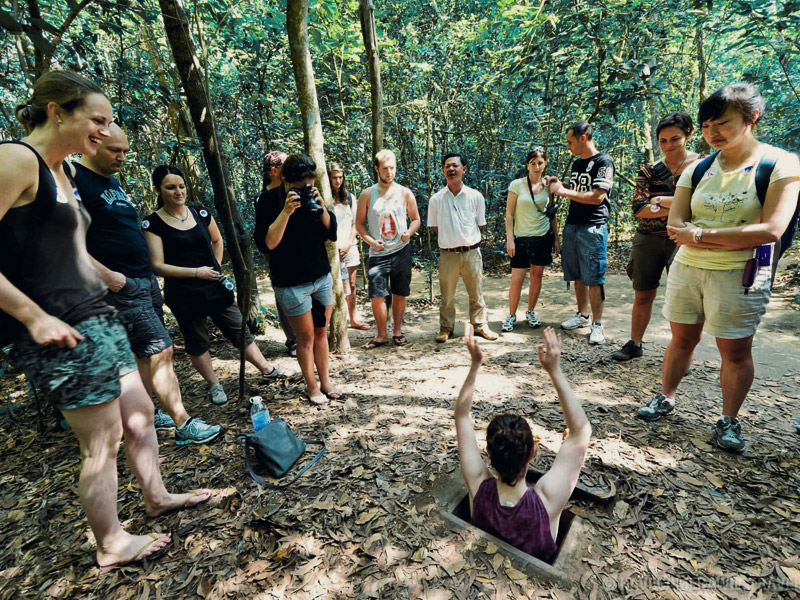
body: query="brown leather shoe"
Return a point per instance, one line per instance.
(486, 334)
(443, 336)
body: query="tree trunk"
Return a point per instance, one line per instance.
(297, 28)
(366, 13)
(176, 25)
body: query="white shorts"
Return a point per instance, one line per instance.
(717, 299)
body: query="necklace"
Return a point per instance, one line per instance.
(680, 166)
(174, 217)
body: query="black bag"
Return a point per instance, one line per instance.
(550, 209)
(276, 450)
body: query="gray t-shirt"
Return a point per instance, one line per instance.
(387, 219)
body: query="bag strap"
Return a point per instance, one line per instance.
(763, 173)
(701, 168)
(275, 486)
(533, 199)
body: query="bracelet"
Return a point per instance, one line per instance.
(697, 236)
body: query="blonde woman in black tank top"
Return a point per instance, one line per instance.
(70, 344)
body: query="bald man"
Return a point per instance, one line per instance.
(120, 253)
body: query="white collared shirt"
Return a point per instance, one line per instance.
(457, 217)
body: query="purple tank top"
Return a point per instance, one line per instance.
(525, 526)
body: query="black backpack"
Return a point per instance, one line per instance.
(763, 173)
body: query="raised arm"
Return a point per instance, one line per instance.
(278, 227)
(472, 466)
(556, 486)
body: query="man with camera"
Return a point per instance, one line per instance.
(584, 239)
(457, 214)
(119, 250)
(292, 225)
(382, 221)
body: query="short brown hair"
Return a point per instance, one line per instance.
(65, 88)
(382, 156)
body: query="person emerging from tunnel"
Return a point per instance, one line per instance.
(525, 517)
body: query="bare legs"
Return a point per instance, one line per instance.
(252, 354)
(736, 374)
(589, 295)
(515, 291)
(642, 311)
(381, 314)
(312, 350)
(678, 356)
(351, 299)
(158, 373)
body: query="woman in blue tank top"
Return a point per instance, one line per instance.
(525, 517)
(70, 343)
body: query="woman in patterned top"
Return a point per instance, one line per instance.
(652, 249)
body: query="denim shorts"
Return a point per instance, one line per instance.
(140, 310)
(86, 375)
(297, 300)
(393, 269)
(583, 253)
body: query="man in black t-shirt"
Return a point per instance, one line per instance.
(119, 252)
(585, 234)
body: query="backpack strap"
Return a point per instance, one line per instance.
(763, 173)
(701, 168)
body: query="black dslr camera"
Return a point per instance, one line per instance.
(308, 202)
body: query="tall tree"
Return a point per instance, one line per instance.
(366, 13)
(176, 25)
(297, 28)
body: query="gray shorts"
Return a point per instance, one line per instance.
(140, 310)
(86, 375)
(195, 331)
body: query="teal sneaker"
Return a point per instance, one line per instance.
(162, 421)
(658, 406)
(197, 431)
(728, 434)
(217, 394)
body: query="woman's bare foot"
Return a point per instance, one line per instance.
(357, 325)
(133, 548)
(173, 502)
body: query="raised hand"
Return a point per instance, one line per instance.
(550, 352)
(471, 342)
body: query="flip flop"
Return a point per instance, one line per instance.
(320, 400)
(399, 340)
(374, 344)
(359, 326)
(140, 557)
(337, 396)
(188, 503)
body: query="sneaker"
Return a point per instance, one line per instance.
(577, 321)
(630, 350)
(597, 336)
(274, 374)
(217, 394)
(728, 434)
(163, 421)
(533, 322)
(197, 431)
(658, 406)
(509, 323)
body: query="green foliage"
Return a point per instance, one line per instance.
(490, 79)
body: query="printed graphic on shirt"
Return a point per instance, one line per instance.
(115, 197)
(725, 207)
(388, 227)
(145, 224)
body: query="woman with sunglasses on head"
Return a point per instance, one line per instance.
(69, 342)
(531, 235)
(186, 250)
(652, 248)
(725, 231)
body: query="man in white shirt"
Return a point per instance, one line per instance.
(457, 213)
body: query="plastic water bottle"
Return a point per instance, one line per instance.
(258, 413)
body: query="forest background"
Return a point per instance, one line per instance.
(490, 79)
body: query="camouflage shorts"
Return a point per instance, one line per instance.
(86, 375)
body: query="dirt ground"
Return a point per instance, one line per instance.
(688, 520)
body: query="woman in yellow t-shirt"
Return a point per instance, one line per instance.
(531, 236)
(718, 227)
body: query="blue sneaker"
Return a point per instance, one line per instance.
(163, 421)
(197, 431)
(728, 434)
